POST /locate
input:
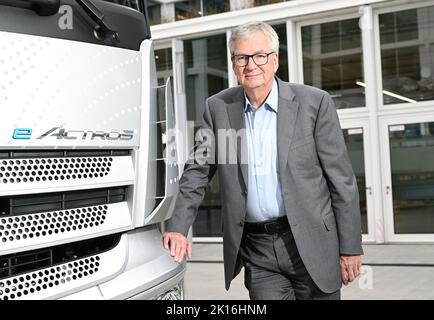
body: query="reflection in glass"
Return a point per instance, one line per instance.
(215, 6)
(206, 74)
(412, 165)
(354, 142)
(163, 60)
(154, 12)
(128, 3)
(208, 222)
(258, 3)
(187, 9)
(197, 8)
(282, 72)
(407, 51)
(333, 61)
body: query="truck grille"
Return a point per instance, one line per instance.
(36, 166)
(29, 272)
(55, 212)
(37, 281)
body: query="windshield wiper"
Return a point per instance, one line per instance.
(102, 31)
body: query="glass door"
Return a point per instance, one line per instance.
(205, 73)
(356, 139)
(199, 69)
(408, 159)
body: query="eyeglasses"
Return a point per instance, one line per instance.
(242, 60)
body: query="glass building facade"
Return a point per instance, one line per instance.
(377, 63)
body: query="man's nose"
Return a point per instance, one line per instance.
(250, 64)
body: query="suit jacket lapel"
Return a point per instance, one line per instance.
(286, 116)
(235, 111)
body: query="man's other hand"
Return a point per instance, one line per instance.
(350, 268)
(178, 244)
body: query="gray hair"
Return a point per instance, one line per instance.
(248, 29)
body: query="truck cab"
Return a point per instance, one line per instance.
(88, 160)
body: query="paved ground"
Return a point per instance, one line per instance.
(389, 272)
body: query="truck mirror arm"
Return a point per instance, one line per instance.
(102, 30)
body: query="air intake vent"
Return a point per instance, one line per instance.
(22, 286)
(41, 225)
(61, 264)
(162, 180)
(20, 205)
(31, 170)
(76, 210)
(45, 166)
(32, 260)
(161, 127)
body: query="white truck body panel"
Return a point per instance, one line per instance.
(67, 101)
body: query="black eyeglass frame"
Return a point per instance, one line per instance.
(250, 56)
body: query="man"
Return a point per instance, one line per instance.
(290, 202)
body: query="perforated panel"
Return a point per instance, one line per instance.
(36, 282)
(57, 222)
(53, 169)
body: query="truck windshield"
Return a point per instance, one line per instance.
(135, 4)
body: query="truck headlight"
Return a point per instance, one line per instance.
(174, 293)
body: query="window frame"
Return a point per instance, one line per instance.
(419, 106)
(326, 19)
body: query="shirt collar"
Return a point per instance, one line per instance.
(272, 100)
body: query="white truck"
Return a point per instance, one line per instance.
(87, 170)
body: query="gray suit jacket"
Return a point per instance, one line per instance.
(318, 184)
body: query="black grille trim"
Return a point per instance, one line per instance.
(30, 261)
(43, 202)
(39, 154)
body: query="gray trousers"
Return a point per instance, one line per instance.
(275, 271)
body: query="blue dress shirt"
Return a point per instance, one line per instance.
(264, 196)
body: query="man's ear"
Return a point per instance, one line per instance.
(276, 64)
